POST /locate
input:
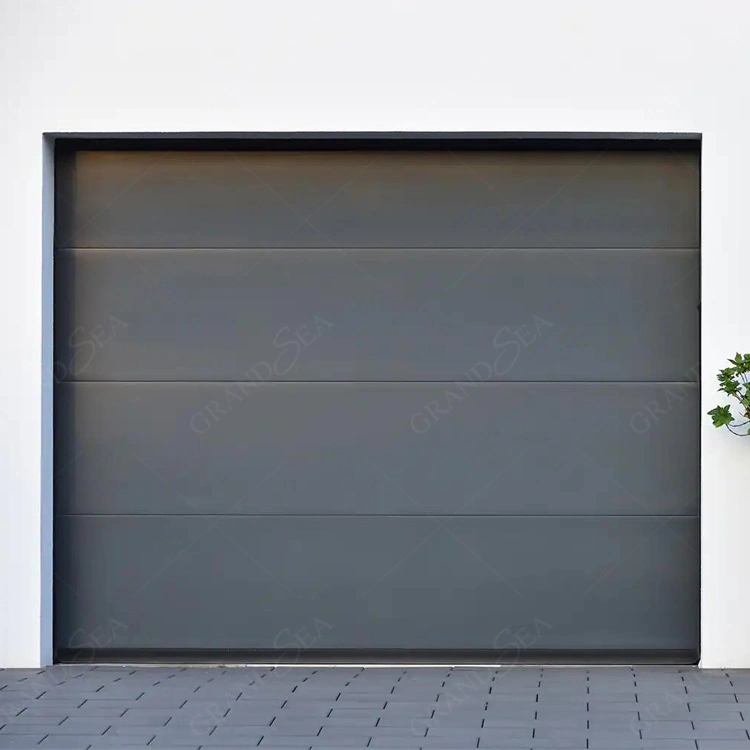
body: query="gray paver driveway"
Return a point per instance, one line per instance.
(603, 708)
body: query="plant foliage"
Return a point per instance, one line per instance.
(735, 382)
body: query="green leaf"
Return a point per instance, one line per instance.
(734, 380)
(721, 416)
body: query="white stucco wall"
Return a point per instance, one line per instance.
(498, 65)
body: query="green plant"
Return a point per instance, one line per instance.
(735, 382)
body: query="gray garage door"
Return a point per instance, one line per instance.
(377, 398)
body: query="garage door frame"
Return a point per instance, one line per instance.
(583, 141)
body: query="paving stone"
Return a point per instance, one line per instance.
(28, 729)
(616, 737)
(71, 742)
(359, 713)
(666, 731)
(135, 732)
(446, 722)
(696, 699)
(144, 717)
(31, 720)
(47, 699)
(376, 704)
(511, 699)
(93, 712)
(14, 693)
(657, 709)
(245, 719)
(439, 743)
(346, 741)
(725, 723)
(262, 703)
(642, 745)
(394, 707)
(108, 694)
(559, 743)
(438, 709)
(11, 709)
(725, 713)
(225, 732)
(99, 743)
(598, 724)
(21, 741)
(220, 694)
(197, 728)
(501, 690)
(68, 689)
(525, 712)
(615, 716)
(182, 739)
(217, 708)
(353, 722)
(299, 730)
(92, 724)
(578, 736)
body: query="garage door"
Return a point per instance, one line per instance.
(377, 397)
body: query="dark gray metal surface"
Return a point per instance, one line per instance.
(377, 448)
(205, 500)
(377, 314)
(379, 199)
(389, 582)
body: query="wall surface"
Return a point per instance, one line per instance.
(499, 65)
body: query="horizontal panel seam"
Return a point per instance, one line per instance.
(382, 382)
(376, 515)
(367, 248)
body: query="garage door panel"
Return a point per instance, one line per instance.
(377, 314)
(397, 398)
(379, 199)
(586, 583)
(378, 448)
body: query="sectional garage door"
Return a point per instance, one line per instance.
(377, 397)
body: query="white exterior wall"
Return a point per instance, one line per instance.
(427, 65)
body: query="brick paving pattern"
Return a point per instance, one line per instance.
(521, 708)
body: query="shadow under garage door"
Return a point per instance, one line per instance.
(377, 397)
